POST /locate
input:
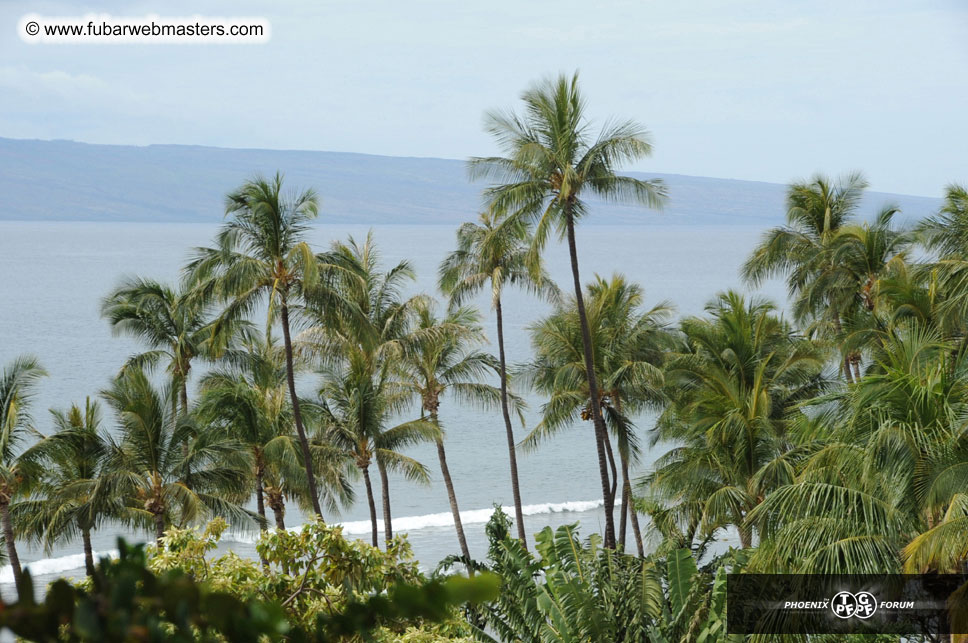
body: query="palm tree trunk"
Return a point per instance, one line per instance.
(628, 505)
(278, 506)
(8, 538)
(279, 513)
(745, 538)
(452, 498)
(385, 490)
(623, 517)
(512, 456)
(183, 403)
(626, 498)
(611, 465)
(260, 505)
(183, 392)
(174, 425)
(598, 421)
(260, 501)
(691, 530)
(845, 365)
(856, 362)
(88, 551)
(297, 414)
(159, 528)
(369, 500)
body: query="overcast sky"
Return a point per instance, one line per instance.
(765, 90)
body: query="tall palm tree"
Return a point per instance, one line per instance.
(172, 323)
(260, 254)
(17, 383)
(68, 498)
(361, 337)
(356, 411)
(552, 163)
(494, 254)
(802, 250)
(735, 388)
(443, 361)
(249, 400)
(160, 484)
(629, 346)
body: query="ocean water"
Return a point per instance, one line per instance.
(55, 274)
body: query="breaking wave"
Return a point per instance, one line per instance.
(62, 564)
(57, 565)
(445, 519)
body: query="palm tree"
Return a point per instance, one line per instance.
(628, 346)
(360, 338)
(551, 164)
(734, 388)
(248, 400)
(172, 323)
(947, 232)
(260, 254)
(17, 382)
(802, 251)
(161, 484)
(945, 235)
(441, 361)
(356, 410)
(494, 254)
(886, 485)
(865, 257)
(68, 499)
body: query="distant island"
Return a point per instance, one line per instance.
(70, 181)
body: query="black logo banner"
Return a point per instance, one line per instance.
(847, 604)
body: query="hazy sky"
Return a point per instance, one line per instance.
(765, 90)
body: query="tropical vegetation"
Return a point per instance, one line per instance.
(833, 439)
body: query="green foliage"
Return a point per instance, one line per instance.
(570, 591)
(551, 164)
(67, 491)
(18, 382)
(695, 606)
(578, 591)
(325, 582)
(260, 256)
(682, 569)
(356, 346)
(493, 253)
(247, 399)
(629, 346)
(174, 323)
(125, 601)
(166, 469)
(318, 586)
(734, 387)
(815, 474)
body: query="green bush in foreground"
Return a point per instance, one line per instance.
(574, 590)
(316, 586)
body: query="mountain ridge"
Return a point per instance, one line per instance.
(62, 180)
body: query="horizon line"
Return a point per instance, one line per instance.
(392, 156)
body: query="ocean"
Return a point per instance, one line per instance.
(55, 274)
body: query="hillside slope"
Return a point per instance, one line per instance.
(68, 181)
